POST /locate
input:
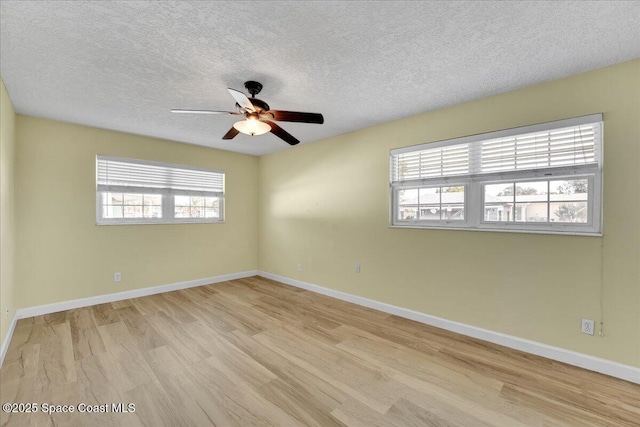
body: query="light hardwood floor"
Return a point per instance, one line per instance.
(256, 352)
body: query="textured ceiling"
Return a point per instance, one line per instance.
(124, 65)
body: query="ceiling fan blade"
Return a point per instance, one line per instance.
(295, 116)
(242, 99)
(231, 134)
(175, 110)
(282, 134)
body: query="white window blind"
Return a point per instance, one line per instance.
(567, 143)
(430, 163)
(115, 174)
(572, 146)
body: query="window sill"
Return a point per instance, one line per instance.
(160, 223)
(498, 230)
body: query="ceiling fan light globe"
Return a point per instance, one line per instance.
(252, 127)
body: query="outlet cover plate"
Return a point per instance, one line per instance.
(588, 326)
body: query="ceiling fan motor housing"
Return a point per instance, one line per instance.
(259, 104)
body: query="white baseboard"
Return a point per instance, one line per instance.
(135, 293)
(603, 366)
(7, 339)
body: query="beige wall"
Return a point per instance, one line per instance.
(62, 254)
(326, 205)
(7, 211)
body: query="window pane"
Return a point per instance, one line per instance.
(498, 212)
(574, 212)
(197, 201)
(153, 211)
(572, 189)
(408, 204)
(531, 191)
(112, 199)
(197, 212)
(408, 197)
(132, 211)
(153, 200)
(211, 202)
(456, 189)
(430, 196)
(182, 212)
(495, 193)
(182, 200)
(531, 212)
(407, 213)
(498, 202)
(491, 213)
(110, 211)
(430, 212)
(451, 195)
(211, 213)
(453, 212)
(133, 199)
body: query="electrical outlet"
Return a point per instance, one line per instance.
(356, 268)
(6, 311)
(299, 267)
(117, 277)
(588, 326)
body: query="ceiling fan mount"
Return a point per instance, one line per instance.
(258, 115)
(254, 88)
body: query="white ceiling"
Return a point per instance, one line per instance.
(124, 65)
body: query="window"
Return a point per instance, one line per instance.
(131, 205)
(141, 192)
(544, 178)
(196, 207)
(431, 203)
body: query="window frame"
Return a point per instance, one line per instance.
(110, 221)
(435, 223)
(168, 197)
(475, 183)
(177, 220)
(593, 216)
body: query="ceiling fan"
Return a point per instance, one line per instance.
(259, 116)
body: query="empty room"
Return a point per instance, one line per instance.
(320, 213)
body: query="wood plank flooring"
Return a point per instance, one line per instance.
(254, 352)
